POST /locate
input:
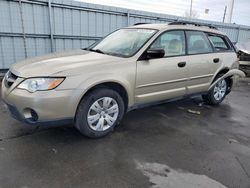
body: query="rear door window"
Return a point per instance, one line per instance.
(219, 43)
(198, 43)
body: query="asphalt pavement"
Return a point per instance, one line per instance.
(174, 145)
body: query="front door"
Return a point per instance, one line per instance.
(163, 78)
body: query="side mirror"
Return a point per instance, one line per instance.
(153, 53)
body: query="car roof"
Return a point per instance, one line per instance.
(163, 27)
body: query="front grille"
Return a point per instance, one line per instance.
(244, 67)
(245, 58)
(9, 79)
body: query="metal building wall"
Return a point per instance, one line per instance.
(34, 27)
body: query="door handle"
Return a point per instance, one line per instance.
(182, 64)
(216, 60)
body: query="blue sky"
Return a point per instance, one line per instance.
(241, 13)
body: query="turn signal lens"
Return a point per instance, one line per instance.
(55, 83)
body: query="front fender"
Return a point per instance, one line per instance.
(230, 73)
(104, 78)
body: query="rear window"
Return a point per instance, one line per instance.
(219, 43)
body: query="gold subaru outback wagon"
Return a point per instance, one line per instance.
(142, 64)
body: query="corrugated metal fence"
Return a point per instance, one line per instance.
(34, 27)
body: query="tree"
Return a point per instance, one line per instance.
(194, 14)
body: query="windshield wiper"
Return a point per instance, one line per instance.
(96, 50)
(101, 52)
(93, 50)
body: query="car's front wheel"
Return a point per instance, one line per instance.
(217, 94)
(99, 112)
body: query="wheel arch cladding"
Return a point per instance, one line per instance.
(228, 76)
(224, 71)
(120, 89)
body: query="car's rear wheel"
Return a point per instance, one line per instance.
(218, 93)
(99, 112)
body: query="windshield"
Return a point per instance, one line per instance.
(124, 42)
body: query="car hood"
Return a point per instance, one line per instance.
(60, 63)
(244, 47)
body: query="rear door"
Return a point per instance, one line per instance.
(223, 52)
(199, 61)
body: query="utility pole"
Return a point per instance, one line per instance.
(191, 9)
(23, 28)
(225, 11)
(231, 7)
(51, 27)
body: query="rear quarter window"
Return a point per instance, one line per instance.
(219, 43)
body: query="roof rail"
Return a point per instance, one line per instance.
(140, 23)
(193, 23)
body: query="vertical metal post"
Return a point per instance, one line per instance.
(237, 36)
(128, 18)
(51, 27)
(231, 8)
(23, 30)
(225, 11)
(191, 9)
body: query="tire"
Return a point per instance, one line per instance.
(218, 93)
(95, 117)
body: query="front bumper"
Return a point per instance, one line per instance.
(18, 116)
(48, 107)
(245, 67)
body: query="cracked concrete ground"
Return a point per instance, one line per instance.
(166, 146)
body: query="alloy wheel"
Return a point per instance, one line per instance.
(220, 89)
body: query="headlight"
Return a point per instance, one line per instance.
(40, 84)
(6, 74)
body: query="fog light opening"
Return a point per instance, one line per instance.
(30, 114)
